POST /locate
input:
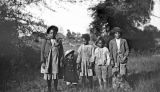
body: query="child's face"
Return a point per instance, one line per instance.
(117, 35)
(85, 42)
(52, 34)
(100, 44)
(70, 56)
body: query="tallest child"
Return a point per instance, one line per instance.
(119, 52)
(51, 56)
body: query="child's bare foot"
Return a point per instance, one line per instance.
(101, 87)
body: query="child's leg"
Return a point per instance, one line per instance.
(104, 76)
(105, 83)
(83, 81)
(90, 78)
(99, 75)
(55, 84)
(49, 85)
(100, 83)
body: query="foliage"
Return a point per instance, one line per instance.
(11, 10)
(150, 28)
(123, 13)
(128, 15)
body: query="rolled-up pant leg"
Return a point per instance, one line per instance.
(123, 69)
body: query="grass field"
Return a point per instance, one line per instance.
(143, 76)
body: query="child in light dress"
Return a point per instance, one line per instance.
(85, 53)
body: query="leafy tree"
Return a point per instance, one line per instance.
(150, 28)
(69, 34)
(15, 57)
(126, 14)
(74, 35)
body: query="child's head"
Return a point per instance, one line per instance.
(117, 32)
(85, 38)
(52, 31)
(69, 54)
(100, 42)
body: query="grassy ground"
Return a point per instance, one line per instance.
(143, 76)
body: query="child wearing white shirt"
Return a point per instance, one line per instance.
(101, 59)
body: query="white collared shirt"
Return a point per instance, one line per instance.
(118, 41)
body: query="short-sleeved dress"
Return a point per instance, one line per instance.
(85, 53)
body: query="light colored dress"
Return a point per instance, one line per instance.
(52, 61)
(85, 53)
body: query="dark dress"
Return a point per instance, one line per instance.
(70, 71)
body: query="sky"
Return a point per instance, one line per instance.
(73, 16)
(156, 11)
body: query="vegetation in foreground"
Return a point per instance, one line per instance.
(143, 76)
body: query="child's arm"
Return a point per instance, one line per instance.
(127, 49)
(112, 63)
(42, 50)
(56, 42)
(93, 56)
(107, 55)
(79, 57)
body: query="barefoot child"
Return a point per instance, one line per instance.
(102, 61)
(70, 72)
(119, 52)
(51, 57)
(85, 53)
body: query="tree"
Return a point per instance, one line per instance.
(126, 14)
(74, 35)
(78, 35)
(150, 28)
(69, 35)
(14, 55)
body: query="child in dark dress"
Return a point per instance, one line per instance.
(70, 72)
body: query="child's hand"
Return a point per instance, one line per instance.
(61, 62)
(90, 65)
(123, 59)
(43, 65)
(78, 66)
(112, 64)
(42, 61)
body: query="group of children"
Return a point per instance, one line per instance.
(91, 60)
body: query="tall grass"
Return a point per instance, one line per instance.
(143, 76)
(23, 74)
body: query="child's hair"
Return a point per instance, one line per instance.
(86, 37)
(100, 39)
(55, 28)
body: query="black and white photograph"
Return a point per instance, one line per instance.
(79, 45)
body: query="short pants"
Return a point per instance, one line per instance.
(101, 71)
(122, 69)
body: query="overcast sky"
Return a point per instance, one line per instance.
(156, 11)
(73, 16)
